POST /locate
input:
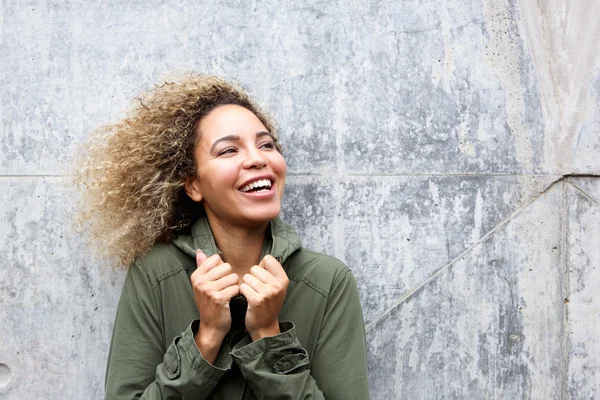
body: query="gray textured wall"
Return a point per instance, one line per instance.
(432, 146)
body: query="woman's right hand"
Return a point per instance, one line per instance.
(214, 285)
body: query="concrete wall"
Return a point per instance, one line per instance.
(447, 151)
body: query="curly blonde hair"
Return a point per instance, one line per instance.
(133, 172)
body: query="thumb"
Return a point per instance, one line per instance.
(200, 257)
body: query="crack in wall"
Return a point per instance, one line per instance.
(402, 299)
(584, 193)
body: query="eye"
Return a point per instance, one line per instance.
(228, 150)
(267, 145)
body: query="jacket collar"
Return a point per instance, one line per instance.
(285, 241)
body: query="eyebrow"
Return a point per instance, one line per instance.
(233, 138)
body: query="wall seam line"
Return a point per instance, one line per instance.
(433, 174)
(340, 175)
(33, 176)
(566, 295)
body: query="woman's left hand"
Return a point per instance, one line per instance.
(265, 288)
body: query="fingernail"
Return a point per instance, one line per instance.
(199, 251)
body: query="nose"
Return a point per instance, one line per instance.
(254, 159)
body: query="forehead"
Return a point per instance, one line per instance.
(229, 119)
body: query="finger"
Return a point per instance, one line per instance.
(209, 264)
(217, 272)
(249, 293)
(272, 265)
(226, 281)
(200, 257)
(230, 292)
(256, 284)
(265, 276)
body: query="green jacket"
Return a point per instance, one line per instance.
(320, 354)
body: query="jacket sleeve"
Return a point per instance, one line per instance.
(139, 366)
(278, 367)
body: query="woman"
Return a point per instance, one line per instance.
(220, 299)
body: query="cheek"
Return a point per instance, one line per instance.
(280, 168)
(279, 165)
(219, 176)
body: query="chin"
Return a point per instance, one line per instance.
(261, 216)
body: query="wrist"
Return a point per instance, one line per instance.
(271, 330)
(208, 341)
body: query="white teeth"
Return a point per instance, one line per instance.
(263, 183)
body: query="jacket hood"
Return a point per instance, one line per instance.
(285, 241)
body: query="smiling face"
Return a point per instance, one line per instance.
(240, 175)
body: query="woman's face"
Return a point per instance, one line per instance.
(240, 175)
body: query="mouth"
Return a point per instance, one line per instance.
(257, 186)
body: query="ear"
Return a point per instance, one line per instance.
(192, 188)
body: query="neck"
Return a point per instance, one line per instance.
(241, 246)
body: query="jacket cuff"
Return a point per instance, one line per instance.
(193, 355)
(185, 371)
(281, 353)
